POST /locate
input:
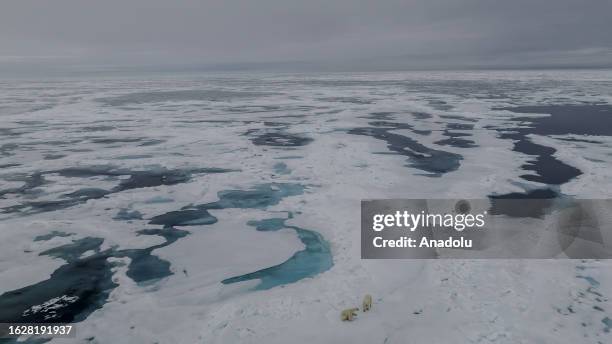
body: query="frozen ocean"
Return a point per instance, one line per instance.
(225, 208)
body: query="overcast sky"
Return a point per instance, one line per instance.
(406, 33)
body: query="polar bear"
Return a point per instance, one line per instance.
(367, 302)
(349, 314)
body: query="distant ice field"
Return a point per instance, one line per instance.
(224, 208)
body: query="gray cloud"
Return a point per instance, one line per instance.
(387, 32)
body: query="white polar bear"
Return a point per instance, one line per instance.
(367, 302)
(349, 314)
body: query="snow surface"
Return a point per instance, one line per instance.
(184, 123)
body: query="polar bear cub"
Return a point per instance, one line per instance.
(349, 314)
(367, 302)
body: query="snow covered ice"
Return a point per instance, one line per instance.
(224, 208)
